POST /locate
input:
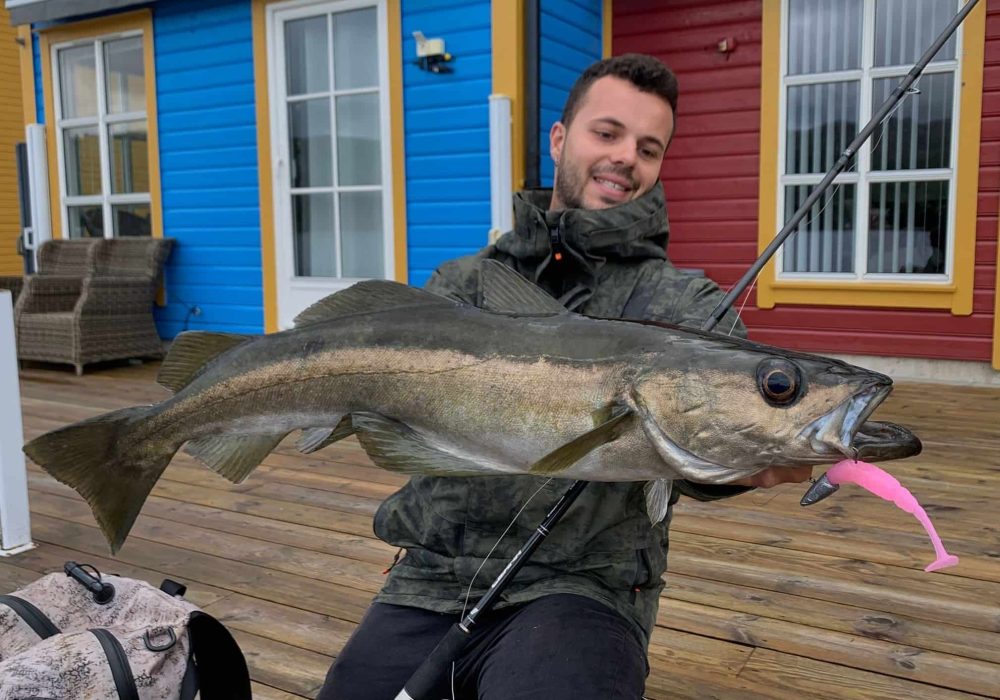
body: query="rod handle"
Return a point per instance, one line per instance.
(435, 666)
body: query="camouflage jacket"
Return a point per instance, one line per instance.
(609, 263)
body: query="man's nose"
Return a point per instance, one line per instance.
(626, 152)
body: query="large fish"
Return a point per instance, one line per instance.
(434, 386)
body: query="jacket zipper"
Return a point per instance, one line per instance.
(121, 672)
(555, 243)
(642, 567)
(36, 619)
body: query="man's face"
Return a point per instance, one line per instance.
(613, 148)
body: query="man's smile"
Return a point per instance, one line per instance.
(612, 186)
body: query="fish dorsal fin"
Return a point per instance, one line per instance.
(366, 297)
(190, 352)
(505, 291)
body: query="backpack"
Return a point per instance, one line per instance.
(86, 636)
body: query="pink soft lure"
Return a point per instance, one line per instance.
(882, 484)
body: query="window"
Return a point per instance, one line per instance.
(103, 155)
(890, 215)
(334, 95)
(894, 221)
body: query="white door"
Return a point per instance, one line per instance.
(330, 147)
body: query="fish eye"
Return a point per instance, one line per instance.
(780, 382)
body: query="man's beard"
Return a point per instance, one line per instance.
(569, 184)
(569, 187)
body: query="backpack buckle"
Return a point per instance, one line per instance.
(159, 632)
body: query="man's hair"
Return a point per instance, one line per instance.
(648, 74)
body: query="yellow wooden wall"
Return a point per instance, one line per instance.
(11, 131)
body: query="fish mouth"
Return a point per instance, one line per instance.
(846, 431)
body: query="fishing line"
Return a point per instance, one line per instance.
(767, 497)
(746, 298)
(756, 498)
(496, 544)
(854, 168)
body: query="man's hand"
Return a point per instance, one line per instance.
(772, 476)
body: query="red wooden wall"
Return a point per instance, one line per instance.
(711, 180)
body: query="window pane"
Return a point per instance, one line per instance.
(307, 55)
(125, 76)
(312, 225)
(905, 28)
(132, 220)
(359, 153)
(824, 36)
(129, 157)
(86, 221)
(822, 119)
(309, 135)
(82, 154)
(78, 81)
(907, 229)
(361, 234)
(355, 49)
(919, 134)
(824, 241)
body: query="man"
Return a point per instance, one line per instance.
(575, 622)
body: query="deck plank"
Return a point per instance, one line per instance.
(765, 600)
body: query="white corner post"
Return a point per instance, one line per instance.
(501, 186)
(38, 190)
(15, 519)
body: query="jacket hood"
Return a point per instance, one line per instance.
(636, 229)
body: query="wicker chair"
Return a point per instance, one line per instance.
(62, 265)
(110, 315)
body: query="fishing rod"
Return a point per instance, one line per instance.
(436, 665)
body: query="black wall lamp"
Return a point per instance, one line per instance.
(431, 55)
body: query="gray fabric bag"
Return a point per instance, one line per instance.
(85, 636)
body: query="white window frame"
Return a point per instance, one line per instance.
(861, 177)
(277, 15)
(103, 120)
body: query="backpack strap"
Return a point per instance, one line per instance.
(222, 670)
(35, 618)
(121, 672)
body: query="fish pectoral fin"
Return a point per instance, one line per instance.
(619, 420)
(505, 291)
(399, 448)
(233, 456)
(315, 439)
(657, 494)
(366, 297)
(190, 352)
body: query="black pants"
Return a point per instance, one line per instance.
(557, 647)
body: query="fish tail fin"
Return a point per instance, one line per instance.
(86, 456)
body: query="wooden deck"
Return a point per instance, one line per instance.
(765, 599)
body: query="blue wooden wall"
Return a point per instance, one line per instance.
(208, 143)
(571, 32)
(447, 138)
(208, 165)
(39, 93)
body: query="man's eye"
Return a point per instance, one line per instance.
(647, 153)
(604, 134)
